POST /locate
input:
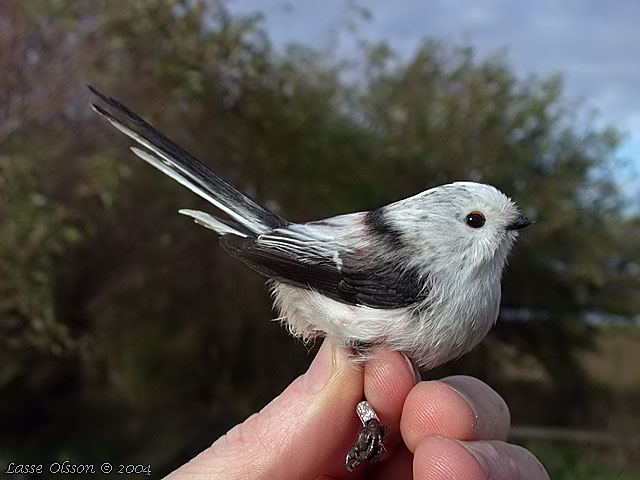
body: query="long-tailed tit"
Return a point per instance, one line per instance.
(421, 275)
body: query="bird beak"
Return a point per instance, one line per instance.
(520, 222)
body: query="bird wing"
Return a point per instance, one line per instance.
(336, 257)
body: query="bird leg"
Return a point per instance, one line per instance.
(368, 446)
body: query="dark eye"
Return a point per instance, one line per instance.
(475, 219)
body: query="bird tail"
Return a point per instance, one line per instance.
(249, 218)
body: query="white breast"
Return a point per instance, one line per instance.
(449, 323)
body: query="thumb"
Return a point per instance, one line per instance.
(303, 433)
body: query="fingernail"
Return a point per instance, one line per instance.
(482, 400)
(454, 384)
(414, 369)
(502, 461)
(320, 369)
(484, 458)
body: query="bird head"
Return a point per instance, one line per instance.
(462, 225)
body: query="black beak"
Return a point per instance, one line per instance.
(520, 222)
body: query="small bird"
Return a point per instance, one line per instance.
(421, 275)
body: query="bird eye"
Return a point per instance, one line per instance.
(475, 219)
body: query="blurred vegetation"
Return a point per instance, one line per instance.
(126, 333)
(569, 463)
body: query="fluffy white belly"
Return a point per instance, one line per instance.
(428, 335)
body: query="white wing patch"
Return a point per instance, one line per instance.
(326, 238)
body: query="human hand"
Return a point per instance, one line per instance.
(449, 429)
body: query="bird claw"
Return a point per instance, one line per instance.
(368, 446)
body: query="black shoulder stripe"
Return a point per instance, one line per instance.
(379, 225)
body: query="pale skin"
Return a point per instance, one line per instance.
(453, 429)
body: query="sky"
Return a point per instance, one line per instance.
(593, 43)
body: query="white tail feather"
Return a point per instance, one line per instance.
(169, 171)
(211, 222)
(173, 169)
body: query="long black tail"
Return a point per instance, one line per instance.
(183, 167)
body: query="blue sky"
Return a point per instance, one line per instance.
(593, 43)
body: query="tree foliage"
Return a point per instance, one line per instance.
(124, 325)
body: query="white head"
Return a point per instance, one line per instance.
(462, 225)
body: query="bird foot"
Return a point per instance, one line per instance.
(368, 446)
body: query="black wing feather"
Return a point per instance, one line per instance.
(358, 281)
